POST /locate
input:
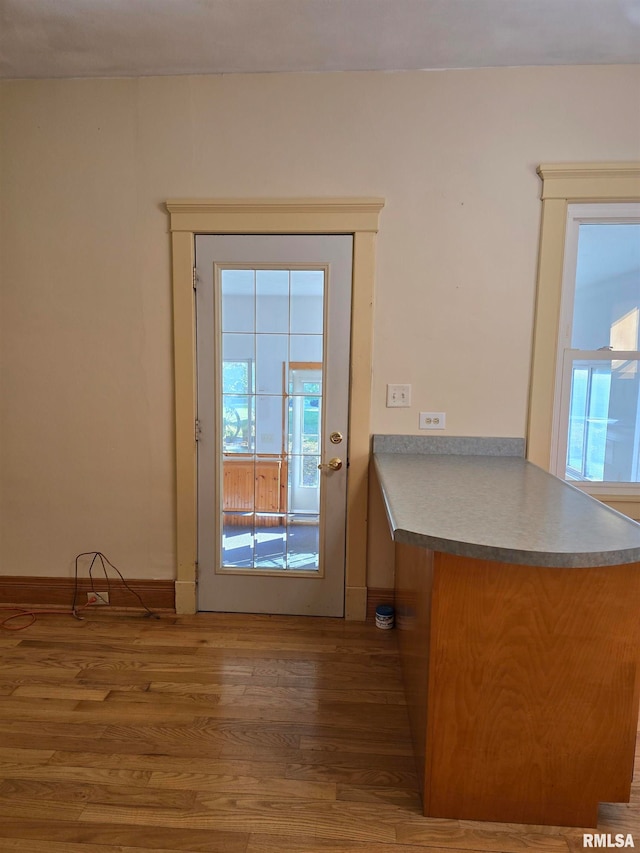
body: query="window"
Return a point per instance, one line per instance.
(597, 399)
(584, 414)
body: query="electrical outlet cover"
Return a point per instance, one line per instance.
(433, 420)
(97, 599)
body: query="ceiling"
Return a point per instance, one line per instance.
(115, 38)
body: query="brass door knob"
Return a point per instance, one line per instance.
(334, 464)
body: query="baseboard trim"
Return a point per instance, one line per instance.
(58, 592)
(376, 596)
(156, 594)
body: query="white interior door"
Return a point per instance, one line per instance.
(273, 333)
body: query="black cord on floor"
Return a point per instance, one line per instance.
(104, 561)
(20, 613)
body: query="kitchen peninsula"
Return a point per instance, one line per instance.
(517, 604)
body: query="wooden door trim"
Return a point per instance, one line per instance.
(358, 217)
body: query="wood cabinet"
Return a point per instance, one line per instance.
(522, 684)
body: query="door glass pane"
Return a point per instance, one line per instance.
(307, 302)
(237, 423)
(237, 404)
(305, 348)
(239, 548)
(272, 301)
(272, 352)
(271, 542)
(239, 347)
(302, 541)
(238, 300)
(269, 425)
(271, 414)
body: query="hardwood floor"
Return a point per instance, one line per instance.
(222, 734)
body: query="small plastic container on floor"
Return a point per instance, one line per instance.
(384, 616)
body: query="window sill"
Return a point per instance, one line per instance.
(623, 497)
(613, 491)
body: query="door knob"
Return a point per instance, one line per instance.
(334, 464)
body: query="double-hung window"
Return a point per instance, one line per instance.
(584, 412)
(596, 436)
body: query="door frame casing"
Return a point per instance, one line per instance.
(358, 217)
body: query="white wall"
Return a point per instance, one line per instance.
(87, 421)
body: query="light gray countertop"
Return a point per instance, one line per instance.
(499, 507)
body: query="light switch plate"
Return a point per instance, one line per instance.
(398, 396)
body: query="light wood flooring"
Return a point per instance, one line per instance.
(222, 734)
